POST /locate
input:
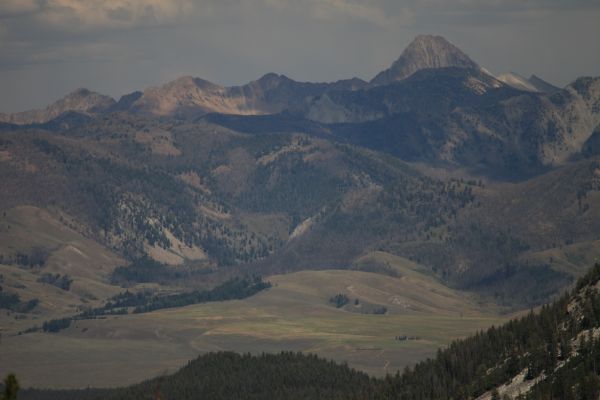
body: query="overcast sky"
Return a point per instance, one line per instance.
(50, 47)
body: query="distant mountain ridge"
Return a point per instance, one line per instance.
(270, 94)
(543, 86)
(81, 100)
(189, 96)
(465, 117)
(531, 84)
(517, 81)
(434, 104)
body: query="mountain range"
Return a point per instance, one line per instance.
(486, 187)
(188, 96)
(434, 104)
(298, 158)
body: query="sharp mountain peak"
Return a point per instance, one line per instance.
(425, 52)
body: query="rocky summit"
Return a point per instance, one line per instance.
(425, 52)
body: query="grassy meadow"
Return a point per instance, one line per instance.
(295, 314)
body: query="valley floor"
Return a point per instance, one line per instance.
(295, 314)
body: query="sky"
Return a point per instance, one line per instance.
(50, 47)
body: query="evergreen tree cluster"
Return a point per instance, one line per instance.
(227, 375)
(233, 289)
(143, 270)
(60, 281)
(339, 300)
(12, 302)
(56, 325)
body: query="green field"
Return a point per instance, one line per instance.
(295, 314)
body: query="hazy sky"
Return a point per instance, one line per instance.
(50, 47)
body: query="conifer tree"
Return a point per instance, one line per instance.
(11, 388)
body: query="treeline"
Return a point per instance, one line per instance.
(142, 302)
(227, 375)
(233, 289)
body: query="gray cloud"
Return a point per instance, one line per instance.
(80, 15)
(12, 8)
(49, 47)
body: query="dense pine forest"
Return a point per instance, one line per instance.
(555, 350)
(227, 375)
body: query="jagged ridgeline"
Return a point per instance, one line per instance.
(550, 354)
